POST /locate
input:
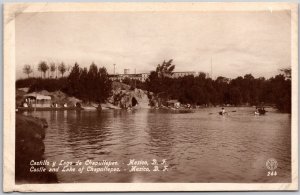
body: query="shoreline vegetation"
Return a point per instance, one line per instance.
(93, 87)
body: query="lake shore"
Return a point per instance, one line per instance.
(30, 133)
(200, 140)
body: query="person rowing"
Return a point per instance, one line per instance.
(256, 112)
(223, 112)
(260, 111)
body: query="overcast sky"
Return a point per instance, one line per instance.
(237, 42)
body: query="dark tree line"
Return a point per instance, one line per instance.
(93, 84)
(88, 85)
(201, 90)
(134, 83)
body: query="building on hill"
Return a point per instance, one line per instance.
(120, 77)
(143, 76)
(183, 74)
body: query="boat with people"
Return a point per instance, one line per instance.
(174, 106)
(260, 111)
(223, 112)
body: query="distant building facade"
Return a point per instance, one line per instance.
(144, 76)
(183, 74)
(126, 71)
(120, 77)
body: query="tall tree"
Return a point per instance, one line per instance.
(52, 68)
(159, 80)
(74, 81)
(92, 82)
(69, 68)
(43, 67)
(62, 69)
(287, 72)
(27, 70)
(83, 84)
(165, 69)
(105, 85)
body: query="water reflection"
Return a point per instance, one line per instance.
(199, 147)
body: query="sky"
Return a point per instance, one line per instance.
(232, 43)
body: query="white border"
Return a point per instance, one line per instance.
(13, 9)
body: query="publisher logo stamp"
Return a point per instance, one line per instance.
(271, 165)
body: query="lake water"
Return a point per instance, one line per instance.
(198, 147)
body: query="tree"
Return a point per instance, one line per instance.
(104, 85)
(92, 84)
(287, 72)
(281, 92)
(221, 79)
(62, 69)
(69, 68)
(52, 68)
(202, 75)
(83, 83)
(153, 82)
(43, 67)
(27, 69)
(159, 80)
(165, 69)
(74, 81)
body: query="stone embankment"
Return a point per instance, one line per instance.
(125, 97)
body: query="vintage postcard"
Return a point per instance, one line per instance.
(150, 96)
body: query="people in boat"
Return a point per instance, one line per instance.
(256, 112)
(260, 111)
(223, 112)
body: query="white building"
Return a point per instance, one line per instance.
(185, 73)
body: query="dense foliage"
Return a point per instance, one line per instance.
(93, 84)
(87, 85)
(38, 84)
(200, 90)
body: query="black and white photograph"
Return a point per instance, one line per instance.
(176, 96)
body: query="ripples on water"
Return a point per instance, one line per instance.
(199, 147)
